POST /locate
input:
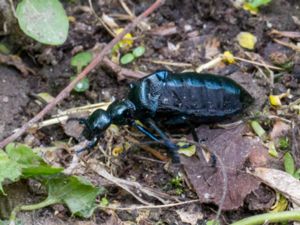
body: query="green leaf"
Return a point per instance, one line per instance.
(82, 85)
(24, 155)
(41, 170)
(127, 58)
(212, 222)
(4, 49)
(258, 3)
(44, 21)
(139, 51)
(78, 194)
(289, 164)
(81, 60)
(284, 143)
(30, 163)
(8, 222)
(297, 174)
(9, 169)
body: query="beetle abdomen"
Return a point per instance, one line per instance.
(199, 101)
(202, 96)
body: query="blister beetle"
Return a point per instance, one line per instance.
(167, 99)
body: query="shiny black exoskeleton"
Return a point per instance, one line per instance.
(167, 99)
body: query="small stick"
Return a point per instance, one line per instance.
(66, 91)
(290, 45)
(122, 72)
(209, 64)
(257, 63)
(178, 64)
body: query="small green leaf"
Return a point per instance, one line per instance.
(82, 85)
(258, 129)
(258, 3)
(78, 194)
(212, 222)
(297, 174)
(127, 58)
(284, 143)
(139, 51)
(272, 149)
(81, 60)
(44, 21)
(187, 151)
(289, 164)
(4, 49)
(104, 201)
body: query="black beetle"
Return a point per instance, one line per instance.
(167, 99)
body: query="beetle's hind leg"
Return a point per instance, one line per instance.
(172, 147)
(212, 159)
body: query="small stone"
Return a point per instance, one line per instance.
(5, 99)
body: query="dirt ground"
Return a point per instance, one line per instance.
(191, 32)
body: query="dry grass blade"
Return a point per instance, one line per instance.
(280, 181)
(290, 45)
(131, 187)
(133, 207)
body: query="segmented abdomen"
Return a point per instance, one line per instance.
(205, 96)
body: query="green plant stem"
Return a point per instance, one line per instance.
(270, 218)
(39, 205)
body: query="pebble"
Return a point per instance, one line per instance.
(5, 99)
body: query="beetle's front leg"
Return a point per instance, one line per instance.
(90, 145)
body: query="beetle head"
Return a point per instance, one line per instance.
(95, 124)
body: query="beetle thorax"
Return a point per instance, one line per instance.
(122, 112)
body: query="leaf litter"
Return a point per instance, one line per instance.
(235, 150)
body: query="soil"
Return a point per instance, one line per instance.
(203, 29)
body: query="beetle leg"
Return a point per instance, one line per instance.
(145, 131)
(172, 147)
(213, 158)
(90, 145)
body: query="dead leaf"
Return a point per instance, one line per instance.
(16, 61)
(73, 128)
(212, 48)
(113, 220)
(191, 215)
(165, 30)
(280, 129)
(234, 150)
(280, 181)
(262, 198)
